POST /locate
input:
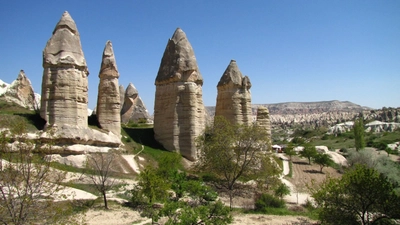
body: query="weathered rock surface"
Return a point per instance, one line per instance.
(263, 121)
(121, 96)
(108, 98)
(341, 128)
(378, 126)
(234, 97)
(65, 84)
(179, 113)
(20, 91)
(133, 108)
(72, 134)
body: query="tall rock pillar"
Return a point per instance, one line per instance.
(108, 98)
(234, 97)
(263, 121)
(65, 83)
(179, 113)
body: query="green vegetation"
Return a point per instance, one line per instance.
(361, 196)
(358, 130)
(160, 190)
(234, 152)
(323, 160)
(282, 190)
(309, 152)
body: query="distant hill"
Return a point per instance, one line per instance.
(316, 114)
(305, 107)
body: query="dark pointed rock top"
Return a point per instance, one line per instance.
(64, 47)
(179, 62)
(21, 75)
(108, 64)
(233, 75)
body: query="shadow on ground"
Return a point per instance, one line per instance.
(144, 136)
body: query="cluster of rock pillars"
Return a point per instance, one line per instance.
(179, 112)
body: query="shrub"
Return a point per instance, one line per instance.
(268, 201)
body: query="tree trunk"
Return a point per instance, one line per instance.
(230, 199)
(105, 200)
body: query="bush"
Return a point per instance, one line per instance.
(268, 201)
(379, 145)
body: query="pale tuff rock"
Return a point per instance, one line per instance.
(108, 98)
(263, 121)
(121, 96)
(65, 83)
(72, 134)
(179, 113)
(20, 91)
(234, 97)
(133, 108)
(341, 128)
(378, 126)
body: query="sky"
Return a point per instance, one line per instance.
(292, 50)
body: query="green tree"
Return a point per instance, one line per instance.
(361, 196)
(323, 159)
(358, 129)
(282, 190)
(309, 152)
(289, 150)
(160, 192)
(232, 152)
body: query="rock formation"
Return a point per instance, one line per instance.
(263, 121)
(65, 83)
(20, 92)
(121, 96)
(108, 98)
(234, 98)
(179, 113)
(133, 108)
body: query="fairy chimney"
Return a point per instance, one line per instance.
(65, 83)
(108, 98)
(179, 113)
(234, 97)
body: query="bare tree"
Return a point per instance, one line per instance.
(101, 165)
(28, 184)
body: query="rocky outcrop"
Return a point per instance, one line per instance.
(65, 83)
(234, 98)
(133, 108)
(378, 126)
(108, 98)
(263, 121)
(179, 114)
(20, 92)
(341, 128)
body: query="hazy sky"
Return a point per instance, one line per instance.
(292, 50)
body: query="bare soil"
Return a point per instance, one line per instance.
(305, 175)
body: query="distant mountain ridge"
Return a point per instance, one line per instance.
(312, 107)
(317, 114)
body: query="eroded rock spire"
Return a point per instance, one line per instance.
(234, 97)
(65, 84)
(108, 98)
(133, 108)
(179, 114)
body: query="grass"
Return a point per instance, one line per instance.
(294, 211)
(84, 187)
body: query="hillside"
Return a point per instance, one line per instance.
(319, 114)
